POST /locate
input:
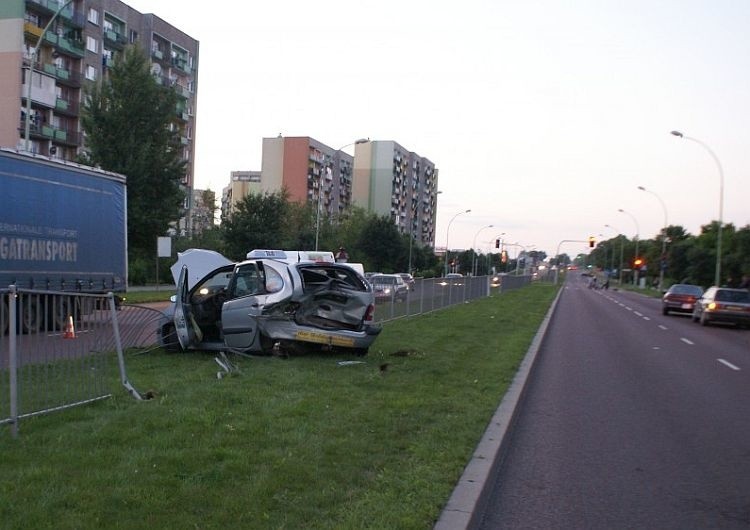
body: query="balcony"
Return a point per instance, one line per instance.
(50, 7)
(115, 39)
(65, 45)
(32, 29)
(66, 107)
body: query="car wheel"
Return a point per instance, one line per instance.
(664, 311)
(170, 342)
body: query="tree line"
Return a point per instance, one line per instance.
(687, 258)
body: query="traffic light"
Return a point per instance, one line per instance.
(592, 241)
(504, 256)
(497, 243)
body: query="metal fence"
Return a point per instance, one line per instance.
(430, 294)
(60, 349)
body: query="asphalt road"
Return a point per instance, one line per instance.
(631, 419)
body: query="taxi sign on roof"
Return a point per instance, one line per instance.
(292, 255)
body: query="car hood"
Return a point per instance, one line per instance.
(199, 263)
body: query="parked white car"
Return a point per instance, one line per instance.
(274, 300)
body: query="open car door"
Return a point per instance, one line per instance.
(187, 332)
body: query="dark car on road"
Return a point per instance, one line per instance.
(680, 298)
(722, 304)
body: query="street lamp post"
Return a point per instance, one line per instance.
(622, 248)
(663, 258)
(474, 250)
(32, 60)
(717, 274)
(637, 239)
(327, 170)
(447, 233)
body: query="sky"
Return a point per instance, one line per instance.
(542, 116)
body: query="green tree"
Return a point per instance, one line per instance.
(381, 243)
(260, 220)
(130, 126)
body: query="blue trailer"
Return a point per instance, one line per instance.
(63, 226)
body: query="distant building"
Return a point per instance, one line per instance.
(204, 210)
(382, 177)
(241, 183)
(78, 49)
(310, 171)
(390, 180)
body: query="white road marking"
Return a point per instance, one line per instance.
(727, 363)
(638, 313)
(656, 348)
(646, 318)
(661, 326)
(628, 308)
(686, 341)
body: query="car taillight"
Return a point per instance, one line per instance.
(370, 313)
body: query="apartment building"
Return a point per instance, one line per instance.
(81, 41)
(310, 171)
(391, 180)
(241, 183)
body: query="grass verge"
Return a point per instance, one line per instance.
(297, 443)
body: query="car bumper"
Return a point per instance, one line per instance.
(730, 317)
(287, 330)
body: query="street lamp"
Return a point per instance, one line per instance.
(474, 250)
(622, 245)
(327, 170)
(717, 275)
(662, 260)
(637, 238)
(447, 233)
(32, 60)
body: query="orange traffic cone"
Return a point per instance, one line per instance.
(70, 330)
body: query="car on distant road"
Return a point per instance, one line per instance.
(680, 298)
(453, 279)
(497, 279)
(722, 304)
(408, 280)
(389, 287)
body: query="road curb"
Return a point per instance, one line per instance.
(469, 498)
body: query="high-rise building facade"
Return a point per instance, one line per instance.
(310, 171)
(390, 180)
(241, 183)
(81, 41)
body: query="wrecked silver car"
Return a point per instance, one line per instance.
(274, 301)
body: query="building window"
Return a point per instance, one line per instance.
(93, 16)
(90, 73)
(92, 44)
(133, 36)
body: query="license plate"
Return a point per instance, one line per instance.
(322, 338)
(687, 306)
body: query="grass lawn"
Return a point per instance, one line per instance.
(290, 443)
